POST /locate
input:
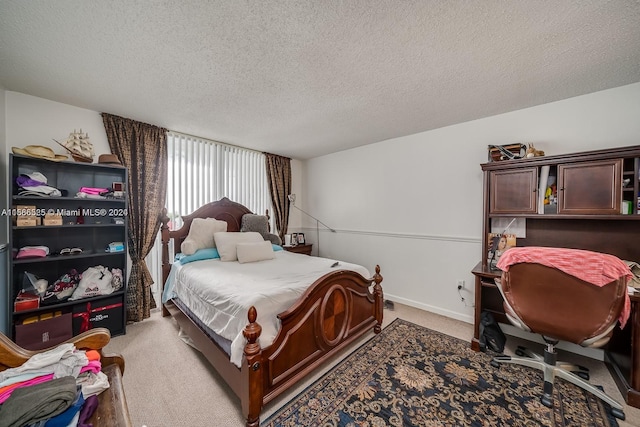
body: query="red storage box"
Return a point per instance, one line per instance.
(26, 301)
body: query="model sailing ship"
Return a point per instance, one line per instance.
(79, 145)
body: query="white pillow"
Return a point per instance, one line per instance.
(252, 252)
(226, 242)
(201, 235)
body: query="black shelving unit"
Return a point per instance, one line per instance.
(88, 224)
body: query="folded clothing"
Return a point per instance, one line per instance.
(5, 392)
(31, 404)
(90, 378)
(64, 419)
(94, 191)
(37, 183)
(93, 383)
(82, 195)
(33, 252)
(62, 360)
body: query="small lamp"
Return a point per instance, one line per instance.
(292, 202)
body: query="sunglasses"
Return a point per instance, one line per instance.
(70, 251)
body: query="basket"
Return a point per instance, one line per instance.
(506, 152)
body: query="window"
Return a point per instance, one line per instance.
(203, 171)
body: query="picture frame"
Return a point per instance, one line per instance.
(118, 189)
(301, 240)
(294, 239)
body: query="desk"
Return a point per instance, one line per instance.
(622, 354)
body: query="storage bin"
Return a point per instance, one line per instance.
(105, 313)
(44, 333)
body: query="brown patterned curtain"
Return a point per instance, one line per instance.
(279, 175)
(142, 148)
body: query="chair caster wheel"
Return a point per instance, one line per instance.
(583, 375)
(617, 413)
(547, 401)
(495, 364)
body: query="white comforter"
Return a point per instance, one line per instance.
(221, 293)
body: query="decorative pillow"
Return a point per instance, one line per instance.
(252, 252)
(257, 223)
(201, 235)
(260, 224)
(226, 243)
(207, 253)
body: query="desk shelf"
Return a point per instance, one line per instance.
(590, 193)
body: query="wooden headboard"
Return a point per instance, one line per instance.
(223, 210)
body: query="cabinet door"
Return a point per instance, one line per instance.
(590, 188)
(514, 191)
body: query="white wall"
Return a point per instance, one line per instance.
(37, 121)
(414, 204)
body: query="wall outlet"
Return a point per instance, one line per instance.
(460, 284)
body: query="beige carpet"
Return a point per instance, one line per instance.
(169, 384)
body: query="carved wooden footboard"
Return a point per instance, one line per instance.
(336, 309)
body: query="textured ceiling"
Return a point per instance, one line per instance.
(307, 78)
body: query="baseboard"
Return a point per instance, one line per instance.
(430, 308)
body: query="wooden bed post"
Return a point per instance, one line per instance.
(166, 267)
(379, 300)
(252, 381)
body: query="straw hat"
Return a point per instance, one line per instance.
(40, 152)
(109, 159)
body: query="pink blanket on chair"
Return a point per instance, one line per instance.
(592, 267)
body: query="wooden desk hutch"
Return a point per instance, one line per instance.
(591, 190)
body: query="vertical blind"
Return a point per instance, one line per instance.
(203, 171)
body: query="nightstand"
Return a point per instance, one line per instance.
(300, 249)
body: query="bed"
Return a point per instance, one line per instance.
(335, 310)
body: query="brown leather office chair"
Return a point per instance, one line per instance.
(543, 295)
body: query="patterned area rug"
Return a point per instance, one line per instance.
(409, 375)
